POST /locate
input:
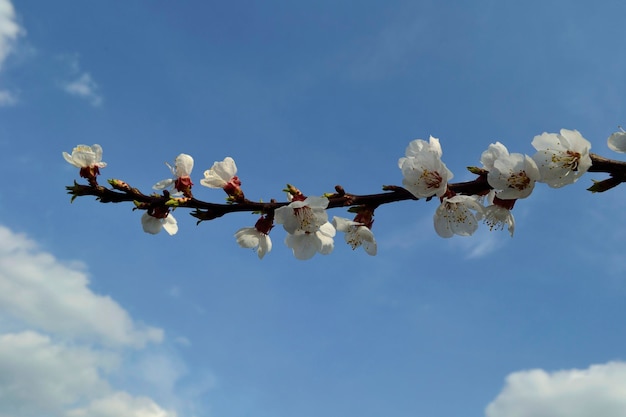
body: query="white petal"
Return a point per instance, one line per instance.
(224, 170)
(303, 245)
(170, 224)
(316, 202)
(184, 165)
(150, 224)
(163, 184)
(365, 234)
(419, 146)
(342, 224)
(285, 215)
(328, 229)
(212, 180)
(97, 150)
(573, 140)
(370, 248)
(442, 225)
(495, 151)
(548, 141)
(435, 146)
(247, 237)
(416, 147)
(265, 245)
(69, 159)
(325, 242)
(617, 142)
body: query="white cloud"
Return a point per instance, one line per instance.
(79, 83)
(599, 390)
(65, 367)
(40, 291)
(84, 87)
(9, 29)
(37, 374)
(122, 404)
(9, 32)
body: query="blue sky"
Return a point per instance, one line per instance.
(100, 319)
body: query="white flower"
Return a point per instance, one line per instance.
(306, 223)
(153, 225)
(425, 175)
(356, 234)
(183, 165)
(220, 174)
(418, 146)
(493, 152)
(305, 245)
(512, 175)
(250, 237)
(561, 158)
(617, 141)
(454, 216)
(84, 156)
(306, 215)
(497, 216)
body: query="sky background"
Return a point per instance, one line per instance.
(100, 319)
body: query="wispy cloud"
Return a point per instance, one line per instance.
(81, 84)
(7, 98)
(10, 30)
(84, 87)
(61, 344)
(599, 390)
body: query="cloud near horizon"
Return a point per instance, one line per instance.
(49, 296)
(60, 342)
(599, 390)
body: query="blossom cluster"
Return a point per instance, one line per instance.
(304, 219)
(559, 159)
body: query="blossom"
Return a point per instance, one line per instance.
(617, 141)
(306, 223)
(250, 237)
(181, 171)
(356, 234)
(88, 159)
(454, 216)
(153, 225)
(256, 237)
(512, 175)
(493, 152)
(561, 158)
(84, 156)
(425, 175)
(224, 175)
(498, 214)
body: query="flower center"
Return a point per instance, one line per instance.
(353, 238)
(568, 160)
(432, 179)
(518, 180)
(306, 219)
(495, 217)
(455, 213)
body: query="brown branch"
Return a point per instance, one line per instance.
(616, 170)
(122, 192)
